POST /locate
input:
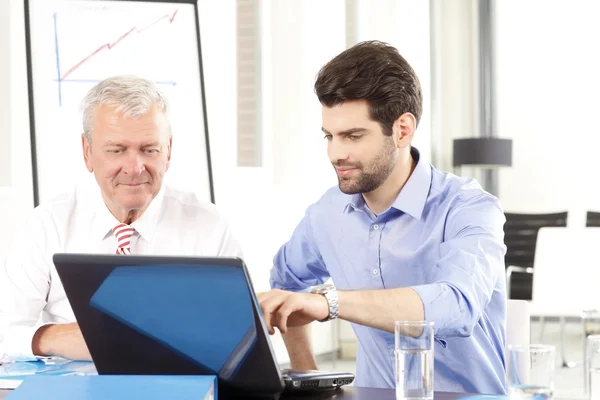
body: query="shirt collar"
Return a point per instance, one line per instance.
(104, 222)
(146, 224)
(357, 202)
(413, 196)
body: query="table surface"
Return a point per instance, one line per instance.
(348, 393)
(360, 393)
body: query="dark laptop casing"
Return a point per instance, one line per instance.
(103, 289)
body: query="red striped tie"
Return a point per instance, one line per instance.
(123, 232)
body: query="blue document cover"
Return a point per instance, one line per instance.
(102, 387)
(12, 374)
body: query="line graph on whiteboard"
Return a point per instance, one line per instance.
(73, 71)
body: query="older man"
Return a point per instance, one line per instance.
(126, 144)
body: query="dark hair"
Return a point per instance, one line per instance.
(373, 71)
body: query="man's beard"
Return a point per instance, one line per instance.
(373, 175)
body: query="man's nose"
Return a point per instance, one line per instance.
(336, 151)
(134, 165)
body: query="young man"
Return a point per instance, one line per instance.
(399, 239)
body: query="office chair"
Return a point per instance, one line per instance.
(592, 219)
(520, 236)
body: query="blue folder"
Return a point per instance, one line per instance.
(13, 374)
(102, 387)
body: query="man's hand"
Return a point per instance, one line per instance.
(63, 340)
(283, 309)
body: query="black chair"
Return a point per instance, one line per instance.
(520, 236)
(592, 219)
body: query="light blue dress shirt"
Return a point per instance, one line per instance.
(443, 236)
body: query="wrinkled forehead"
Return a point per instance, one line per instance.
(109, 121)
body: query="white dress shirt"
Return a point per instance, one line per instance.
(31, 293)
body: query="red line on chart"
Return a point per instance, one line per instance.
(109, 46)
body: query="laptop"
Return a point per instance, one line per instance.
(163, 315)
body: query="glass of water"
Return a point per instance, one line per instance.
(592, 360)
(414, 360)
(530, 371)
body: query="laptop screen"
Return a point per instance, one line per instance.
(155, 299)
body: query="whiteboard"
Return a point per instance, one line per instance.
(74, 44)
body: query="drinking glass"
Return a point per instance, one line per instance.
(530, 371)
(414, 360)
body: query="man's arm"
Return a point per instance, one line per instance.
(463, 281)
(24, 287)
(374, 307)
(299, 346)
(63, 340)
(289, 311)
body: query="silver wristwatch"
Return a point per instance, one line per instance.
(330, 293)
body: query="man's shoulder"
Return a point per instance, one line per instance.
(54, 214)
(449, 188)
(464, 202)
(189, 204)
(331, 201)
(62, 204)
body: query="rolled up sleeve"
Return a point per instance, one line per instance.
(298, 263)
(470, 265)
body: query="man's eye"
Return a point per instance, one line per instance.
(151, 151)
(115, 151)
(355, 137)
(328, 137)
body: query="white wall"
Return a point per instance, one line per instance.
(454, 76)
(5, 140)
(548, 84)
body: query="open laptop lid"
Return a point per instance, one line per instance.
(171, 315)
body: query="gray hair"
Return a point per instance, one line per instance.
(131, 96)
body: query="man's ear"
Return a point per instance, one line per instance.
(87, 150)
(169, 152)
(404, 130)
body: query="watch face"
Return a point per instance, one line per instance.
(324, 288)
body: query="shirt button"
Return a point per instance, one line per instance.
(375, 226)
(375, 271)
